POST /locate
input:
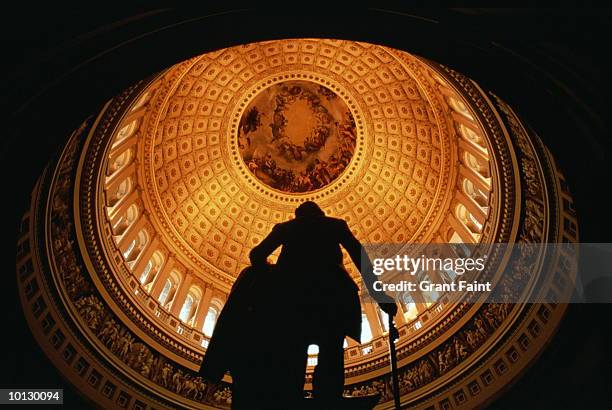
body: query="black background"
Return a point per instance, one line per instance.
(60, 64)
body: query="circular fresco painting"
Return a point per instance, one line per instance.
(297, 136)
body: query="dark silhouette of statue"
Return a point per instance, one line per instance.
(275, 312)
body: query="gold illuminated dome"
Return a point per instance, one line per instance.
(360, 128)
(153, 207)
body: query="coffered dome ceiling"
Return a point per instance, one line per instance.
(383, 159)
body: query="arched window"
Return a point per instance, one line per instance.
(476, 223)
(141, 101)
(460, 249)
(448, 276)
(313, 351)
(411, 311)
(467, 219)
(210, 321)
(119, 162)
(165, 291)
(136, 247)
(186, 309)
(470, 135)
(166, 298)
(476, 164)
(150, 271)
(126, 220)
(129, 249)
(122, 190)
(384, 320)
(459, 106)
(125, 132)
(145, 273)
(190, 306)
(429, 296)
(476, 194)
(366, 330)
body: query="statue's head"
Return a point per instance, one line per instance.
(308, 208)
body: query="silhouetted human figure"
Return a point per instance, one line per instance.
(324, 299)
(275, 311)
(251, 342)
